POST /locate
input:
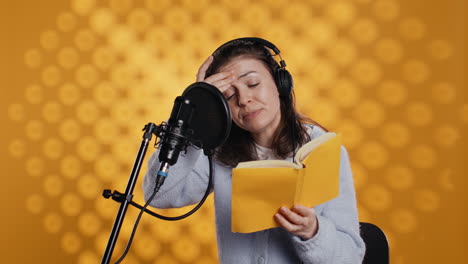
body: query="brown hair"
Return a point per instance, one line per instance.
(291, 132)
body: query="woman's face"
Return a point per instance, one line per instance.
(253, 97)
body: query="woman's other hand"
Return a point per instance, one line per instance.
(300, 220)
(221, 80)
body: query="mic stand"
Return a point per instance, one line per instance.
(126, 200)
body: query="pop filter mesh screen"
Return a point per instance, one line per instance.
(211, 120)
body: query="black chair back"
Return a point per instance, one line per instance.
(377, 249)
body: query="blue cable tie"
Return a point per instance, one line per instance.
(162, 173)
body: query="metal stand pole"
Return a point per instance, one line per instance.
(128, 192)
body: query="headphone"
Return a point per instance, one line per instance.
(283, 78)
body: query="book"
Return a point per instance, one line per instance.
(261, 187)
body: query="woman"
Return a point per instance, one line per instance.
(265, 126)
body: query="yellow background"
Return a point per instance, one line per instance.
(80, 78)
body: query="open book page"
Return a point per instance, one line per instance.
(258, 192)
(311, 145)
(300, 156)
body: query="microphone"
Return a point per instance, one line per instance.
(201, 117)
(175, 138)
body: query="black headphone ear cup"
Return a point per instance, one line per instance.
(284, 82)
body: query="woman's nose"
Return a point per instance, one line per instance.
(244, 97)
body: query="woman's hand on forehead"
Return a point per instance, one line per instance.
(221, 80)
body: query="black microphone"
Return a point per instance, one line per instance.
(175, 138)
(200, 117)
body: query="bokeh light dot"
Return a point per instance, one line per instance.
(71, 242)
(68, 57)
(53, 185)
(69, 130)
(34, 94)
(297, 13)
(364, 31)
(103, 57)
(412, 28)
(71, 204)
(105, 131)
(69, 94)
(422, 156)
(101, 20)
(87, 112)
(16, 112)
(444, 93)
(366, 72)
(202, 230)
(53, 222)
(89, 257)
(35, 166)
(83, 7)
(35, 203)
(360, 175)
(342, 52)
(85, 40)
(106, 168)
(139, 19)
(88, 148)
(185, 250)
(51, 76)
(70, 167)
(403, 220)
(399, 177)
(395, 134)
(52, 148)
(121, 37)
(89, 186)
(106, 209)
(89, 224)
(440, 49)
(17, 148)
(386, 10)
(121, 6)
(148, 247)
(388, 50)
(166, 231)
(376, 197)
(369, 113)
(345, 93)
(326, 110)
(49, 40)
(33, 58)
(86, 75)
(52, 112)
(427, 200)
(66, 21)
(446, 135)
(34, 129)
(352, 133)
(419, 113)
(323, 73)
(341, 12)
(321, 32)
(392, 92)
(415, 71)
(373, 155)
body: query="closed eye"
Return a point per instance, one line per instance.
(252, 85)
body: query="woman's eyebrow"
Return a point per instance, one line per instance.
(245, 74)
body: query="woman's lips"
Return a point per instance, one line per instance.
(251, 115)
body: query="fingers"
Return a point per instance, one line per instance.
(291, 216)
(303, 210)
(301, 221)
(202, 70)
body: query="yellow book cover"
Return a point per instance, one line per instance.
(260, 188)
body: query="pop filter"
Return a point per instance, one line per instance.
(211, 120)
